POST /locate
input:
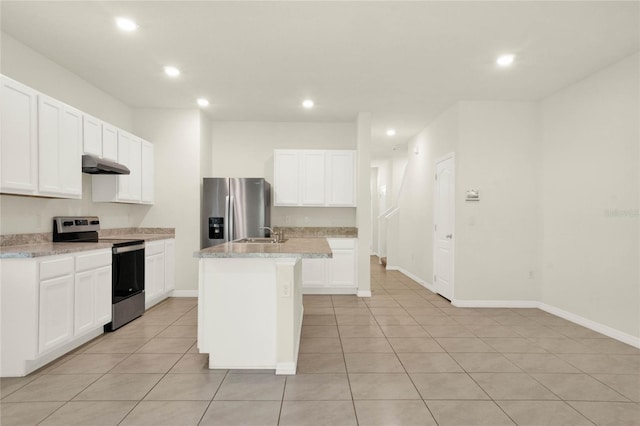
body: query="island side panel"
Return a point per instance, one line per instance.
(237, 309)
(290, 312)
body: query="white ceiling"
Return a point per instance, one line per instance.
(403, 61)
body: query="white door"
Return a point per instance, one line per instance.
(444, 213)
(109, 142)
(169, 265)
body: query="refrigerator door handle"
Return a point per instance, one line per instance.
(232, 232)
(226, 215)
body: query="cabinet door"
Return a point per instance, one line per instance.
(135, 161)
(102, 295)
(59, 148)
(147, 172)
(84, 306)
(312, 180)
(56, 312)
(169, 265)
(109, 142)
(130, 154)
(18, 138)
(340, 175)
(49, 120)
(70, 161)
(286, 177)
(342, 268)
(313, 272)
(91, 135)
(153, 276)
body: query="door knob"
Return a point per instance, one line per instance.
(449, 236)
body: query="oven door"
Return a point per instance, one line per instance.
(128, 271)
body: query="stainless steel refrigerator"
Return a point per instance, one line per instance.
(234, 208)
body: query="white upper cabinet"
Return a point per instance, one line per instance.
(312, 166)
(147, 172)
(99, 138)
(286, 173)
(314, 178)
(341, 172)
(19, 138)
(92, 135)
(59, 149)
(136, 187)
(41, 145)
(109, 142)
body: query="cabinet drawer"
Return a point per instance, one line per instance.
(153, 247)
(56, 267)
(94, 260)
(341, 243)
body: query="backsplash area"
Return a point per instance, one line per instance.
(317, 232)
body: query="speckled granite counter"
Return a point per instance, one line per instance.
(317, 232)
(38, 245)
(48, 249)
(293, 247)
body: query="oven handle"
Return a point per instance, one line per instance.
(126, 249)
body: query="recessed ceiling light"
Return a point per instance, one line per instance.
(505, 60)
(203, 102)
(391, 132)
(308, 103)
(126, 24)
(171, 71)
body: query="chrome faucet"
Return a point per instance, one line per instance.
(274, 234)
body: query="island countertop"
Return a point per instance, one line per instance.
(293, 247)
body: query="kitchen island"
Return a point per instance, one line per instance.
(250, 303)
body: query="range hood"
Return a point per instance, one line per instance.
(99, 166)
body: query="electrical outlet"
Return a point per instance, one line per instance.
(286, 290)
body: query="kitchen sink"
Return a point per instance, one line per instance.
(259, 241)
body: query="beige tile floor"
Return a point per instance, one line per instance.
(403, 357)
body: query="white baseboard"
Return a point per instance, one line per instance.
(577, 319)
(593, 325)
(495, 303)
(423, 283)
(285, 369)
(185, 293)
(364, 293)
(329, 290)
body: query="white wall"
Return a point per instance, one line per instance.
(363, 201)
(415, 195)
(590, 198)
(496, 238)
(27, 66)
(31, 214)
(176, 139)
(245, 149)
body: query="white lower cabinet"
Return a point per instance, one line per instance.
(56, 312)
(159, 267)
(336, 275)
(59, 302)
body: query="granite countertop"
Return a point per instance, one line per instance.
(48, 249)
(293, 247)
(145, 237)
(39, 245)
